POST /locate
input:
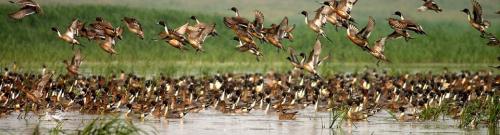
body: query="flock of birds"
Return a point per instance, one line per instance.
(336, 13)
(364, 93)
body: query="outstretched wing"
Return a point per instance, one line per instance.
(366, 31)
(477, 11)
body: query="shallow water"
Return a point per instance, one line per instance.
(257, 122)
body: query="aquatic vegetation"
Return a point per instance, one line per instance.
(114, 126)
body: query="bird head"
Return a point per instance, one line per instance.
(234, 9)
(54, 29)
(193, 17)
(162, 23)
(304, 13)
(465, 10)
(99, 19)
(397, 13)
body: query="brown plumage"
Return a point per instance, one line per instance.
(69, 35)
(492, 40)
(249, 47)
(344, 8)
(477, 21)
(108, 45)
(377, 50)
(430, 5)
(175, 37)
(316, 24)
(309, 63)
(360, 38)
(237, 21)
(134, 26)
(28, 7)
(404, 24)
(74, 66)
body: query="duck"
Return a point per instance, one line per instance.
(329, 10)
(257, 26)
(104, 28)
(248, 47)
(284, 115)
(360, 38)
(237, 21)
(28, 7)
(175, 37)
(377, 50)
(196, 36)
(108, 44)
(73, 66)
(316, 24)
(404, 24)
(477, 21)
(399, 33)
(343, 9)
(134, 26)
(310, 63)
(492, 40)
(200, 24)
(429, 5)
(69, 35)
(404, 117)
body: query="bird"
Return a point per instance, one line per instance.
(429, 5)
(175, 37)
(74, 66)
(316, 24)
(311, 63)
(377, 50)
(248, 47)
(492, 39)
(237, 21)
(360, 38)
(329, 9)
(197, 35)
(108, 45)
(402, 25)
(204, 25)
(498, 12)
(134, 26)
(69, 35)
(344, 9)
(256, 27)
(477, 21)
(104, 28)
(28, 7)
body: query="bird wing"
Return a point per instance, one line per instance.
(182, 29)
(41, 84)
(23, 12)
(77, 58)
(351, 29)
(259, 20)
(342, 5)
(477, 11)
(379, 45)
(316, 52)
(133, 23)
(366, 31)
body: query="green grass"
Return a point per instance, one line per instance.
(30, 43)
